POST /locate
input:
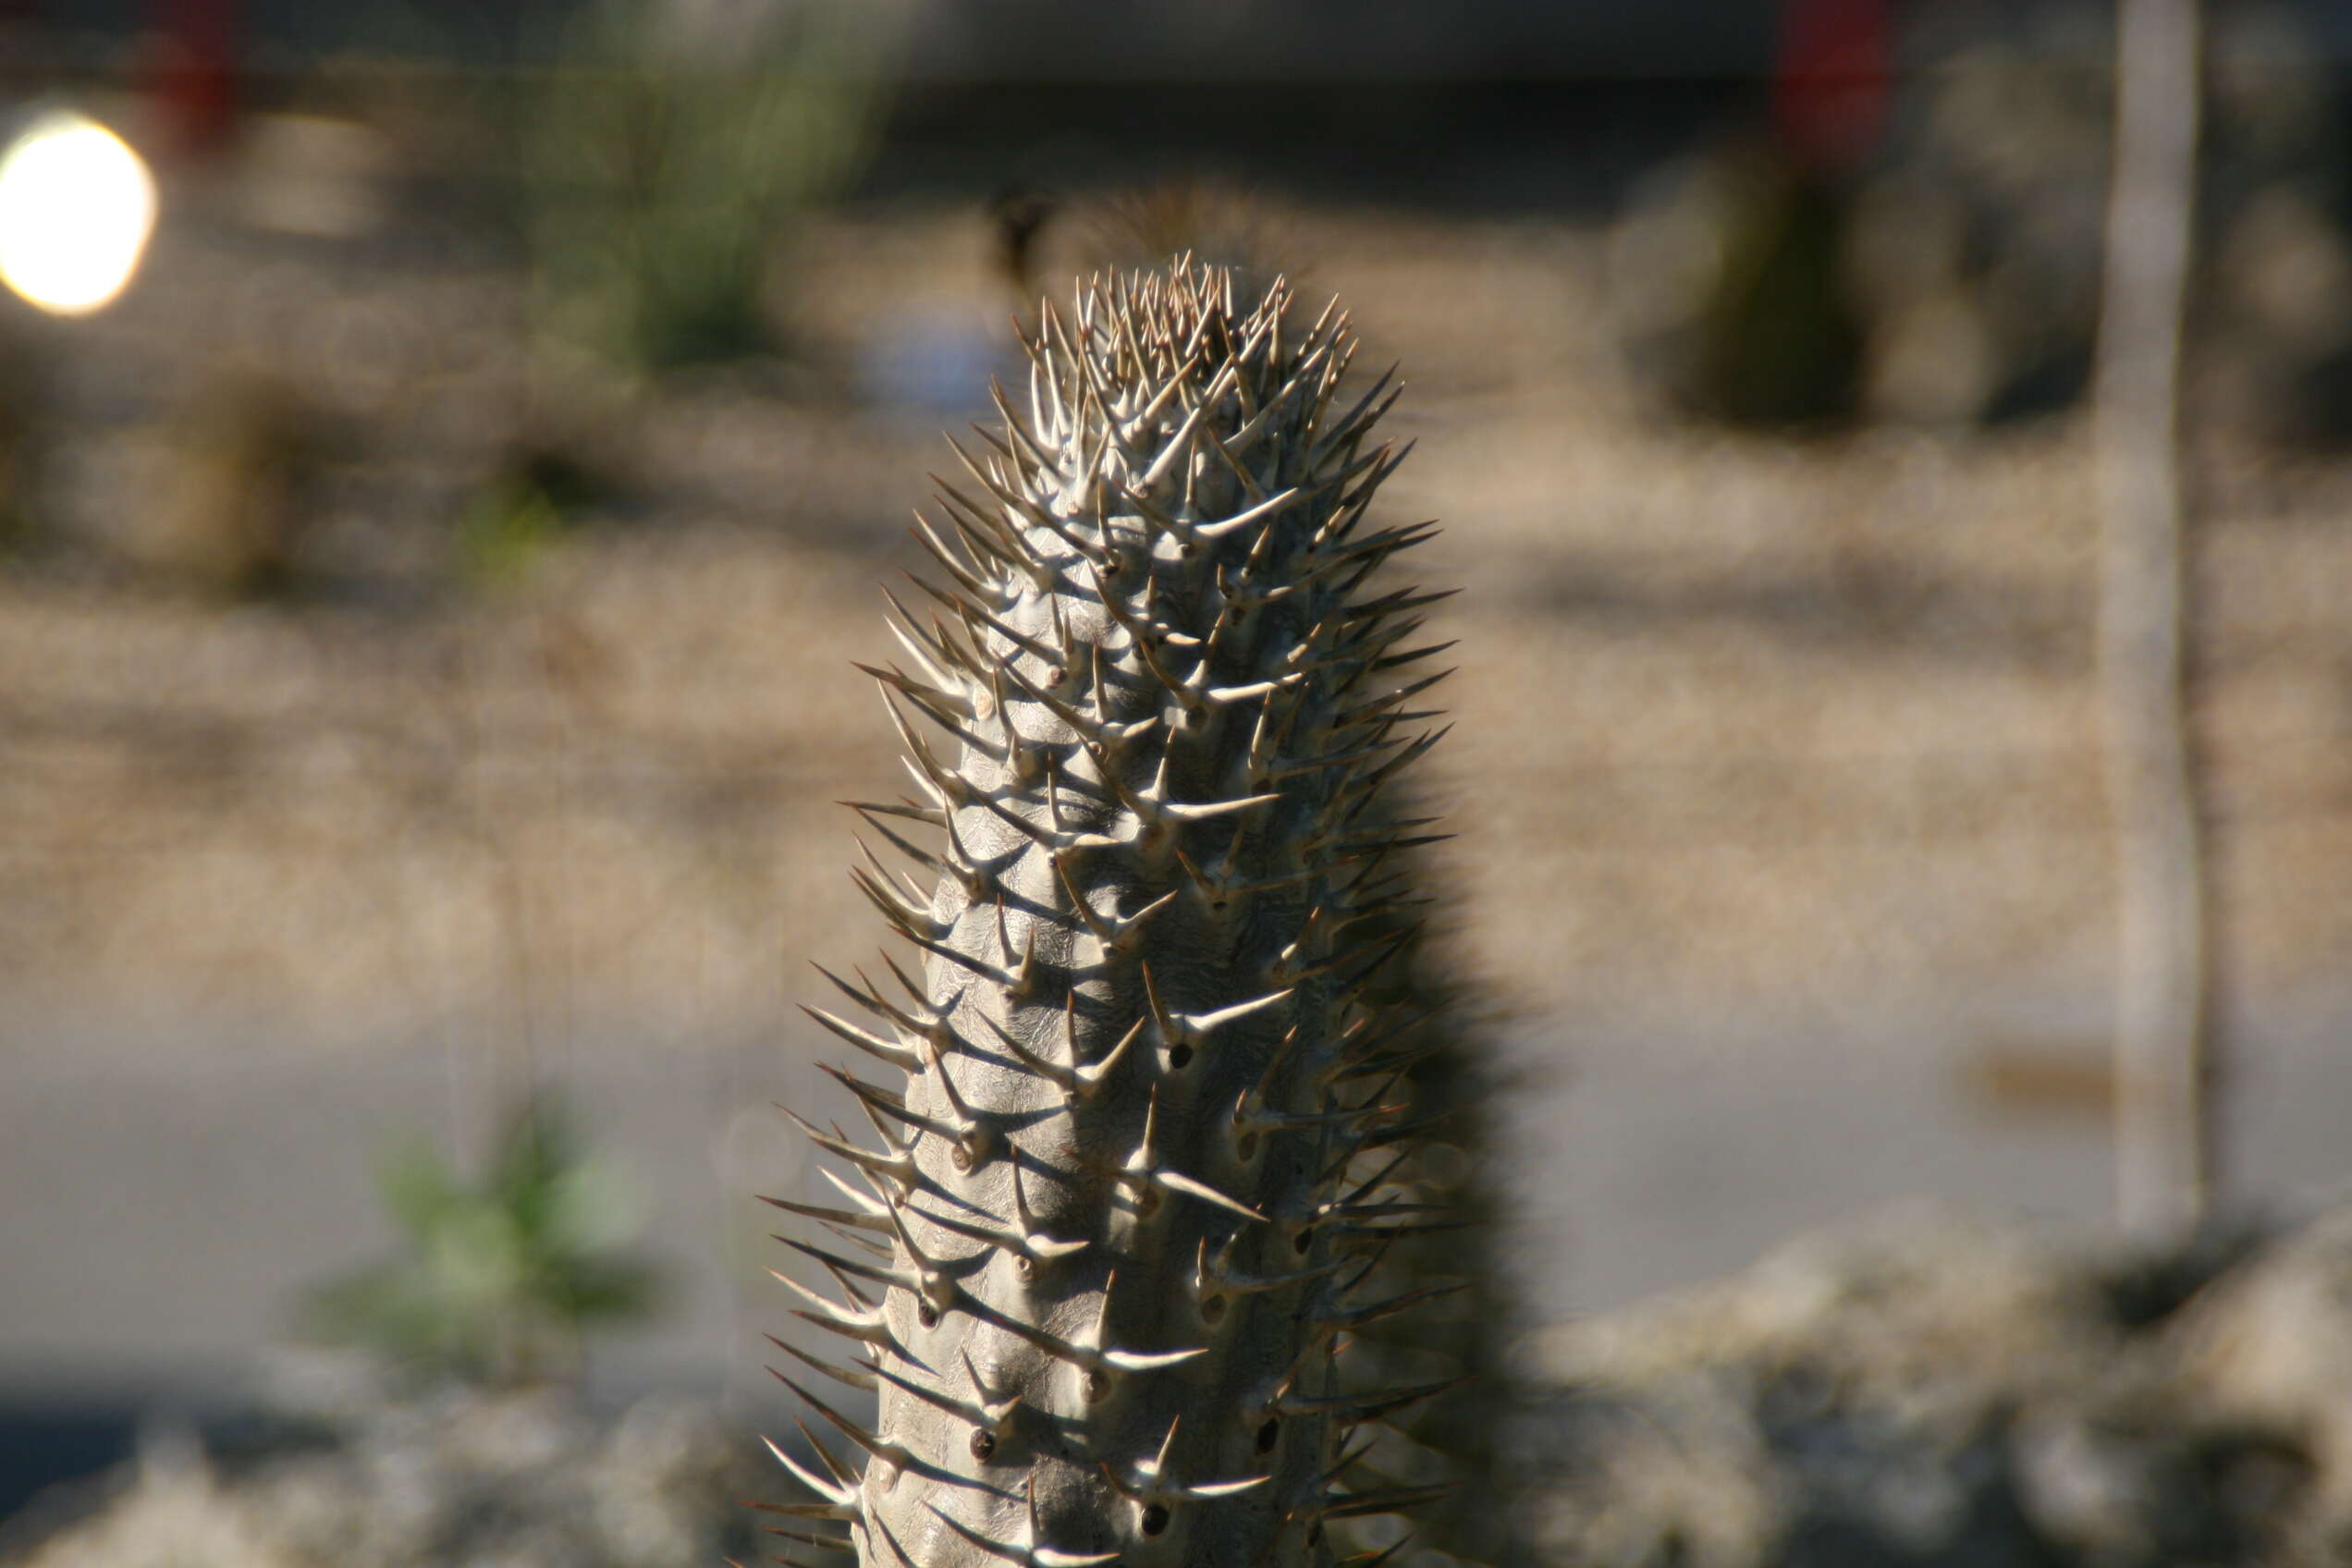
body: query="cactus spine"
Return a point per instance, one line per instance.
(1100, 1263)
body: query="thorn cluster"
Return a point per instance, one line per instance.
(1097, 1261)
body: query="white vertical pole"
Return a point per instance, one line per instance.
(2162, 1152)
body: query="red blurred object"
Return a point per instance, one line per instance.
(1831, 79)
(196, 75)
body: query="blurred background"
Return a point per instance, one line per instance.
(449, 453)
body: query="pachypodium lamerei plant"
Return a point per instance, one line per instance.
(1099, 1266)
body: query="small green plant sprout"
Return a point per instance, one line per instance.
(497, 1283)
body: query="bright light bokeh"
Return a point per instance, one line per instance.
(76, 208)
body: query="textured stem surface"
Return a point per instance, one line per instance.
(1132, 1168)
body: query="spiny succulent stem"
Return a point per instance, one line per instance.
(1122, 1181)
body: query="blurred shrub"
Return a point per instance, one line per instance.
(505, 530)
(1726, 277)
(665, 156)
(241, 461)
(538, 492)
(1950, 273)
(499, 1282)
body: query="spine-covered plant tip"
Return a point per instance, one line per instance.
(1100, 1265)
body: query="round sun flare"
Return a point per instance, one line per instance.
(76, 208)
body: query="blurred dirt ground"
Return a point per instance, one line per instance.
(1742, 722)
(1775, 769)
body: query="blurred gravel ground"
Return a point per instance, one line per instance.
(1769, 751)
(1914, 1389)
(1921, 1390)
(1776, 723)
